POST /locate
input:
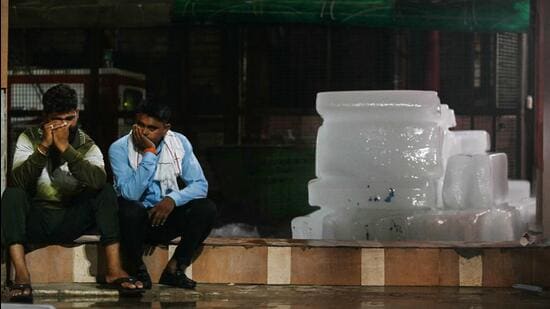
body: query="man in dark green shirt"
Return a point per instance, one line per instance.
(60, 191)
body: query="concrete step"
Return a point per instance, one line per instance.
(314, 262)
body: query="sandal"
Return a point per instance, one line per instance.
(22, 297)
(177, 279)
(117, 285)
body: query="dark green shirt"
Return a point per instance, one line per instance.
(55, 178)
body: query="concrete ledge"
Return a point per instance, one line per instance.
(311, 262)
(274, 242)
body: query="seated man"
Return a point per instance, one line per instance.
(60, 192)
(162, 194)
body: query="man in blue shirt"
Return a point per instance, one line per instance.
(162, 194)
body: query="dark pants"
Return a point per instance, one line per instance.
(192, 222)
(24, 221)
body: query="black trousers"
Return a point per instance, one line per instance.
(192, 222)
(24, 221)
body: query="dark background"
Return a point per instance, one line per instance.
(244, 92)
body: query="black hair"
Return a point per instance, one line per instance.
(156, 110)
(60, 98)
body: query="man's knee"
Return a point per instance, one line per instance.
(14, 192)
(130, 211)
(108, 192)
(106, 200)
(13, 196)
(205, 208)
(211, 208)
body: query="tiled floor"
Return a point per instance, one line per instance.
(291, 296)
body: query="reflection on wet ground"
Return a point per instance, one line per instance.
(263, 296)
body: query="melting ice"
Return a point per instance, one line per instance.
(389, 168)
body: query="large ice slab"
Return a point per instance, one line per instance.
(388, 167)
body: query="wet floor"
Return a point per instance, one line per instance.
(263, 296)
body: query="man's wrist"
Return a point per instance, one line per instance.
(152, 150)
(171, 199)
(43, 149)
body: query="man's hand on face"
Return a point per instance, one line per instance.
(141, 142)
(47, 129)
(161, 211)
(61, 136)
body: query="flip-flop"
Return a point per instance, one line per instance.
(117, 285)
(22, 298)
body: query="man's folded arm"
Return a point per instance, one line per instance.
(131, 183)
(89, 168)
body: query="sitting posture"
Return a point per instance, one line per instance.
(162, 192)
(59, 192)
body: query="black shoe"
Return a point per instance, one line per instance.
(177, 279)
(143, 276)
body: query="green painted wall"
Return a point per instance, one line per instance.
(453, 15)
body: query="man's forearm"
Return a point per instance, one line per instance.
(134, 184)
(91, 175)
(195, 190)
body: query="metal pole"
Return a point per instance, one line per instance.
(522, 135)
(540, 7)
